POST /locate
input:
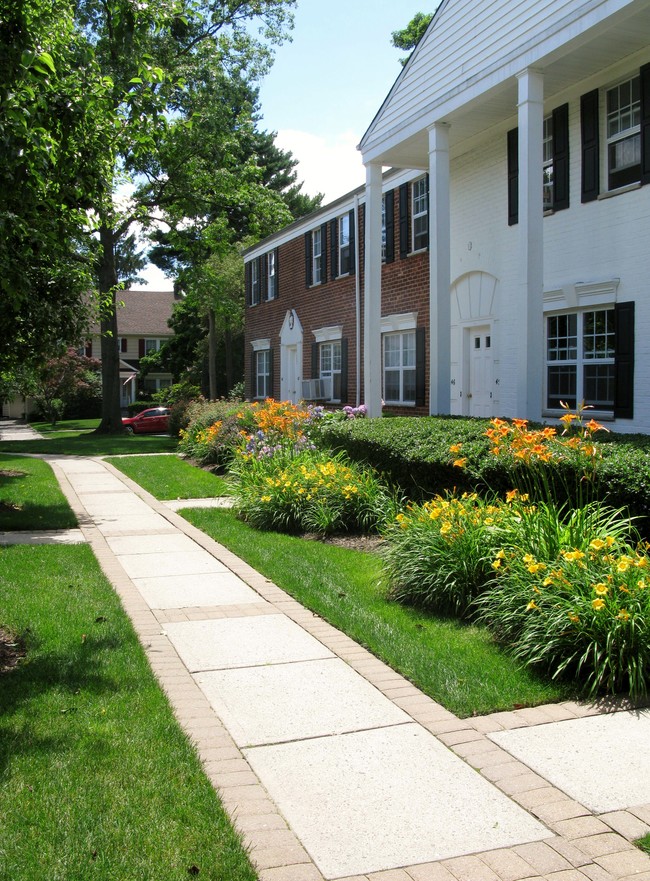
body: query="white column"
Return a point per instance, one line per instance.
(372, 367)
(531, 246)
(439, 271)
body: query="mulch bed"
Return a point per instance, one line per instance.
(367, 543)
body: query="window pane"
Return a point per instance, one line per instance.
(408, 350)
(598, 334)
(409, 386)
(562, 340)
(392, 351)
(599, 385)
(561, 386)
(391, 385)
(326, 358)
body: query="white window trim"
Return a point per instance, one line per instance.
(270, 260)
(399, 321)
(390, 401)
(339, 223)
(157, 340)
(255, 283)
(331, 373)
(605, 140)
(258, 345)
(581, 295)
(314, 256)
(257, 374)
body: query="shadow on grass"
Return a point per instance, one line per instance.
(28, 516)
(44, 690)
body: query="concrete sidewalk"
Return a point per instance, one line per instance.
(16, 429)
(332, 765)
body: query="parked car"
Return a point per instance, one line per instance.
(155, 419)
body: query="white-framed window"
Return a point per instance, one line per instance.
(316, 256)
(151, 346)
(383, 229)
(420, 214)
(152, 384)
(255, 282)
(344, 244)
(580, 359)
(547, 163)
(271, 276)
(329, 357)
(623, 133)
(262, 378)
(399, 367)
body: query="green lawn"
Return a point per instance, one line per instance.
(67, 425)
(97, 780)
(456, 664)
(644, 843)
(30, 497)
(167, 477)
(84, 443)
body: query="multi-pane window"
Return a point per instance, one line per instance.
(316, 257)
(330, 367)
(580, 350)
(271, 276)
(624, 133)
(255, 283)
(547, 157)
(344, 244)
(420, 214)
(262, 376)
(399, 367)
(383, 229)
(151, 346)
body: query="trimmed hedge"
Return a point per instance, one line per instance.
(414, 454)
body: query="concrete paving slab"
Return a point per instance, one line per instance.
(132, 524)
(584, 758)
(71, 465)
(242, 642)
(222, 588)
(196, 562)
(95, 482)
(377, 800)
(263, 705)
(178, 504)
(152, 544)
(102, 503)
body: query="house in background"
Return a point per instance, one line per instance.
(500, 265)
(142, 325)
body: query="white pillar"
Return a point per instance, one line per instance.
(531, 245)
(439, 271)
(372, 367)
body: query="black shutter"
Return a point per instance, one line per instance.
(513, 177)
(344, 370)
(253, 383)
(624, 395)
(308, 274)
(420, 367)
(323, 251)
(334, 248)
(315, 366)
(353, 241)
(590, 146)
(277, 273)
(390, 225)
(271, 373)
(140, 348)
(262, 272)
(247, 283)
(561, 158)
(645, 124)
(403, 220)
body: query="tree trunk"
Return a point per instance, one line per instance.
(212, 354)
(229, 356)
(111, 421)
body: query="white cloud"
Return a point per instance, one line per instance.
(331, 166)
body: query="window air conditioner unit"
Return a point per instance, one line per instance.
(314, 390)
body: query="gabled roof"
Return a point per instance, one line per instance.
(144, 313)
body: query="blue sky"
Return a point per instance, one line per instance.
(325, 87)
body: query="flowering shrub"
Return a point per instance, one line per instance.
(309, 491)
(585, 613)
(214, 431)
(438, 554)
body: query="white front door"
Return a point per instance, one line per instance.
(290, 392)
(481, 372)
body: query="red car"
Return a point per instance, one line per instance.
(156, 419)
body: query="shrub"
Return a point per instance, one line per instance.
(310, 491)
(214, 431)
(584, 614)
(136, 407)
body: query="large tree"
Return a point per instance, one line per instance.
(410, 36)
(54, 123)
(180, 95)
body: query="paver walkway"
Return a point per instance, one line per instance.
(16, 429)
(332, 765)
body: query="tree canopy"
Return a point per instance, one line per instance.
(410, 36)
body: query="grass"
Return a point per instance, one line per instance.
(84, 443)
(167, 477)
(96, 778)
(457, 665)
(67, 425)
(30, 497)
(644, 843)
